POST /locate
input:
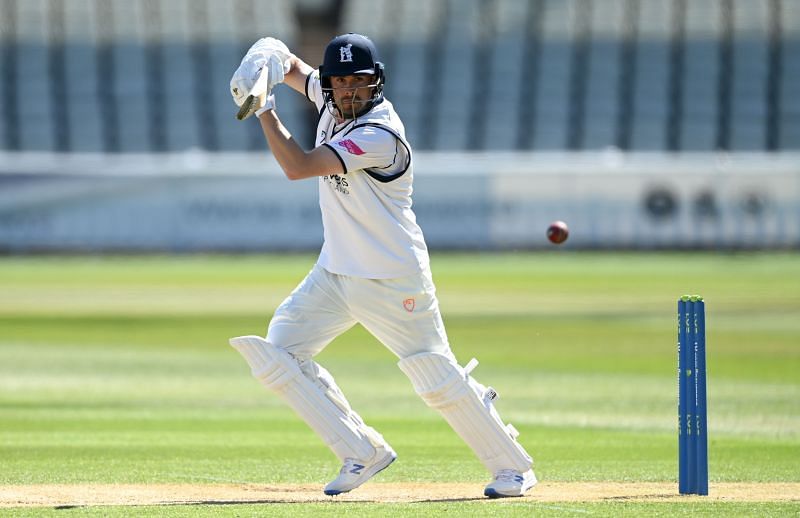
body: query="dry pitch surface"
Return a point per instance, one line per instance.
(65, 495)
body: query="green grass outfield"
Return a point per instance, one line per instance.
(117, 370)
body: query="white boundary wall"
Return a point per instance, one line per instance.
(233, 202)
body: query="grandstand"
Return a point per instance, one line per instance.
(152, 75)
(643, 123)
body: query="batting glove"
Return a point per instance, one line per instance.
(270, 47)
(267, 103)
(266, 52)
(263, 67)
(255, 76)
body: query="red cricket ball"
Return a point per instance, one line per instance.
(557, 232)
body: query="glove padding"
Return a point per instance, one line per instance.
(263, 67)
(268, 47)
(252, 102)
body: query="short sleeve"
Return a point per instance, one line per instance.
(369, 147)
(314, 90)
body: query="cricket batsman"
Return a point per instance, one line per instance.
(373, 269)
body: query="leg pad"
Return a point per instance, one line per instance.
(467, 407)
(311, 392)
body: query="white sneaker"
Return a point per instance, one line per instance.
(510, 482)
(355, 472)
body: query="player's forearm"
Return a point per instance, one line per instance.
(285, 149)
(293, 159)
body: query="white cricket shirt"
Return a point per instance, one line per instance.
(370, 230)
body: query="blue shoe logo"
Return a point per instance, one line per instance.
(518, 478)
(357, 469)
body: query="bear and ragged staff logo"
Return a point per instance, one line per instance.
(346, 54)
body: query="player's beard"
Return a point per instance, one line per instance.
(353, 109)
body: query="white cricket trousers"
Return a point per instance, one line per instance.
(403, 314)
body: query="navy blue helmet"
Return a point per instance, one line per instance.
(351, 54)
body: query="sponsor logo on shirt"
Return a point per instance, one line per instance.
(337, 183)
(350, 146)
(409, 304)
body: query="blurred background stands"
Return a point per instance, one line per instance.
(152, 75)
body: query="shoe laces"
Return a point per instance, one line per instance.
(508, 475)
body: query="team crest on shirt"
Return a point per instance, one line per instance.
(350, 146)
(409, 304)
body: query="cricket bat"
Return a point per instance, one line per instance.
(259, 87)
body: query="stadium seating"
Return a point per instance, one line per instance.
(137, 76)
(789, 102)
(651, 82)
(551, 105)
(750, 69)
(35, 106)
(605, 39)
(700, 76)
(505, 53)
(152, 75)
